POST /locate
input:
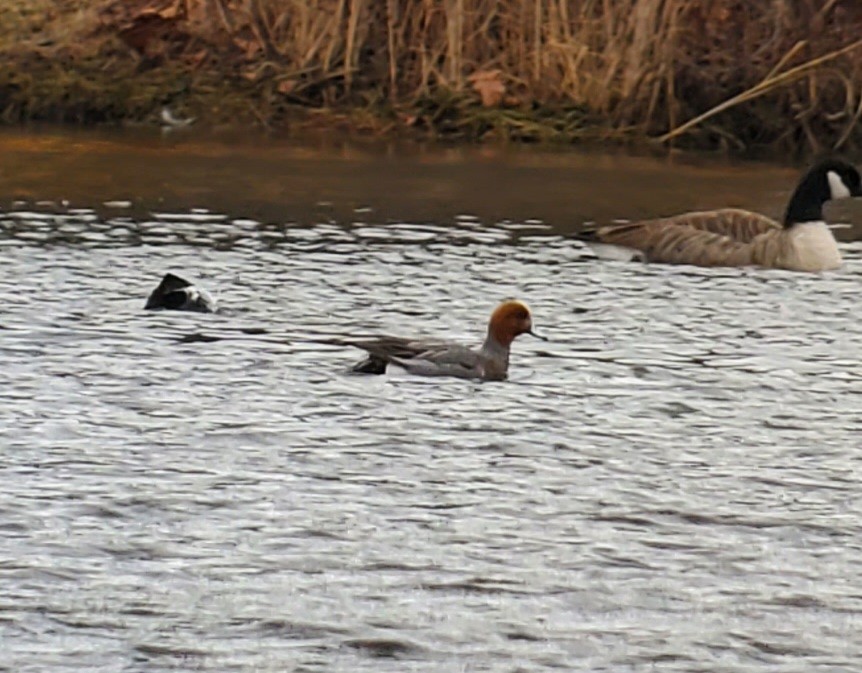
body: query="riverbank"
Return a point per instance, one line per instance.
(783, 76)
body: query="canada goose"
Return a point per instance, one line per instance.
(734, 237)
(180, 295)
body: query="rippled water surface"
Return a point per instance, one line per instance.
(671, 483)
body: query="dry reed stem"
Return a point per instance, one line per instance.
(455, 39)
(849, 128)
(391, 21)
(630, 64)
(760, 89)
(351, 41)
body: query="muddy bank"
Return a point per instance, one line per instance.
(731, 75)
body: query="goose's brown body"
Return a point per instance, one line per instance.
(727, 237)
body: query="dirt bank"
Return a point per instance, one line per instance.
(786, 74)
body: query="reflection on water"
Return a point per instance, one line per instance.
(332, 181)
(670, 482)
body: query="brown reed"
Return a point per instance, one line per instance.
(721, 72)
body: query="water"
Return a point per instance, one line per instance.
(670, 483)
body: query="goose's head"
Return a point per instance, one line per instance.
(509, 320)
(842, 179)
(825, 181)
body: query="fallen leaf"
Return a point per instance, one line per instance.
(489, 85)
(286, 86)
(170, 12)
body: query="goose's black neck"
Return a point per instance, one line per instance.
(829, 179)
(806, 204)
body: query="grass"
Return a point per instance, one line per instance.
(725, 74)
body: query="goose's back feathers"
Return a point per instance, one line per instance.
(740, 225)
(726, 237)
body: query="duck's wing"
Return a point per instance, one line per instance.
(171, 282)
(714, 238)
(445, 359)
(385, 349)
(386, 346)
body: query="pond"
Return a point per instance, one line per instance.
(671, 482)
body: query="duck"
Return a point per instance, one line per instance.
(170, 121)
(175, 293)
(438, 357)
(735, 237)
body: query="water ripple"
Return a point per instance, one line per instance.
(670, 482)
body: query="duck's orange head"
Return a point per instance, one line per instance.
(509, 320)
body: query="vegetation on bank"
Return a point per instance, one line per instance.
(784, 74)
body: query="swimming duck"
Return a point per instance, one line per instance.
(734, 237)
(171, 121)
(436, 357)
(178, 294)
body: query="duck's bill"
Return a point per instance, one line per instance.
(538, 336)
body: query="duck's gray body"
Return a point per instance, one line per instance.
(431, 357)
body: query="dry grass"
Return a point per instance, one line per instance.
(783, 72)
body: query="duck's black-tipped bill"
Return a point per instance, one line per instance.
(538, 336)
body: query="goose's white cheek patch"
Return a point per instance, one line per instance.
(837, 187)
